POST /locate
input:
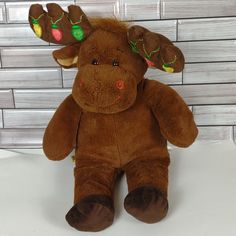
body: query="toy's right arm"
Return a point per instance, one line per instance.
(60, 135)
(173, 115)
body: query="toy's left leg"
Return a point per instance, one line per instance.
(93, 208)
(147, 184)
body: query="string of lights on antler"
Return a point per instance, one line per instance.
(76, 30)
(133, 46)
(167, 66)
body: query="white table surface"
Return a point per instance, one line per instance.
(37, 193)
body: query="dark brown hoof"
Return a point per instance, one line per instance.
(147, 204)
(93, 213)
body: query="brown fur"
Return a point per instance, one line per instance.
(110, 24)
(116, 120)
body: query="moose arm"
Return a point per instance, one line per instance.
(60, 135)
(173, 115)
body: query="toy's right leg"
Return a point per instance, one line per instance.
(147, 180)
(93, 201)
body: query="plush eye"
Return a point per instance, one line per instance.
(94, 62)
(115, 63)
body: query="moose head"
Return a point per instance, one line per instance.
(111, 57)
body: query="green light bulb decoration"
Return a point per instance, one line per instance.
(77, 32)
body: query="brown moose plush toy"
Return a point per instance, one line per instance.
(117, 121)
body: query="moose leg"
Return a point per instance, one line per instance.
(147, 183)
(93, 201)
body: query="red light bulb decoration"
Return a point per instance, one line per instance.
(148, 56)
(56, 32)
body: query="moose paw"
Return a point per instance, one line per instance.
(93, 213)
(147, 204)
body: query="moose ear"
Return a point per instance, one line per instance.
(67, 57)
(158, 51)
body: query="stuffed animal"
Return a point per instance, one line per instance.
(117, 121)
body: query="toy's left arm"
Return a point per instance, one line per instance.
(173, 115)
(61, 133)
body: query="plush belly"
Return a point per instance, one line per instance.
(121, 137)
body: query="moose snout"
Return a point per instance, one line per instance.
(119, 84)
(104, 88)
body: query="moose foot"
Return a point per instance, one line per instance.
(147, 204)
(93, 213)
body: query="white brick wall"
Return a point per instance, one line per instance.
(32, 85)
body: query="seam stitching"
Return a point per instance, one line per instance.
(117, 145)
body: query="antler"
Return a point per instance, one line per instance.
(58, 26)
(158, 50)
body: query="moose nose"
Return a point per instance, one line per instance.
(120, 84)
